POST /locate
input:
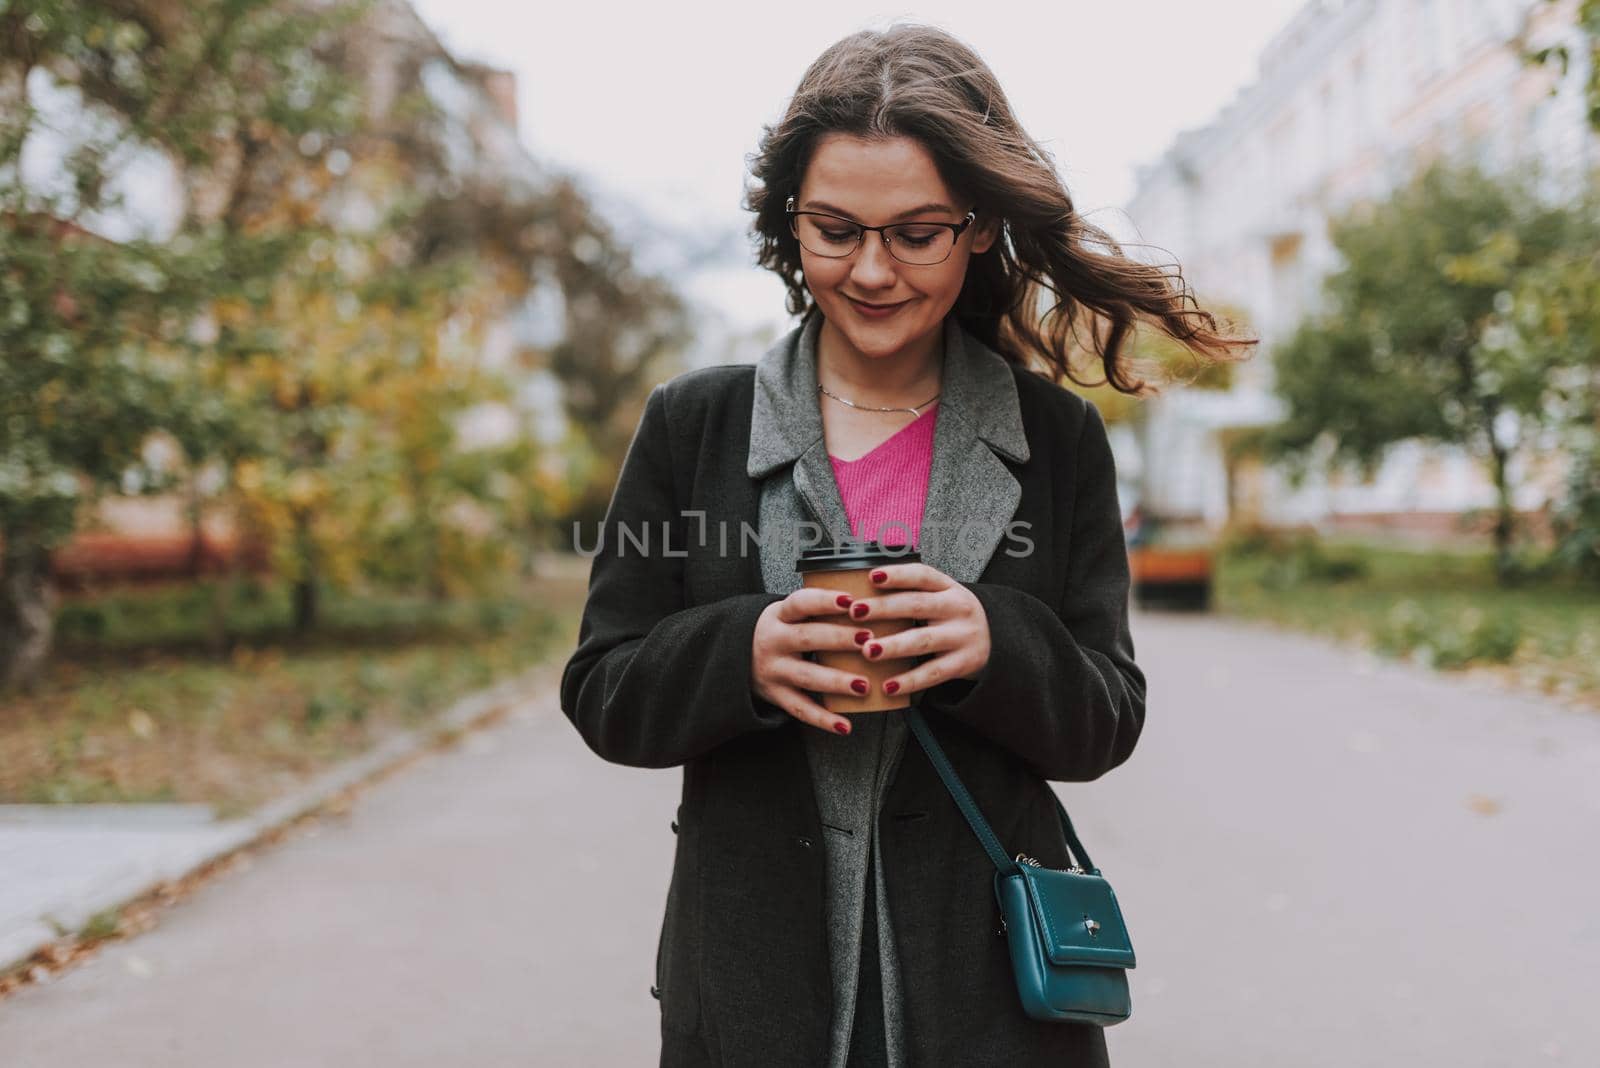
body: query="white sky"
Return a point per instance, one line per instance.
(658, 104)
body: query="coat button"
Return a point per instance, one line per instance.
(805, 843)
(655, 992)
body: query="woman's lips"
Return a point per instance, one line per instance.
(870, 312)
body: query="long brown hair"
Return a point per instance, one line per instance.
(918, 81)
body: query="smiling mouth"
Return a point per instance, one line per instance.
(876, 307)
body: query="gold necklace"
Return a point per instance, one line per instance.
(870, 408)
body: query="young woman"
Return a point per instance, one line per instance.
(828, 904)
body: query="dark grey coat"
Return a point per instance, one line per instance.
(728, 461)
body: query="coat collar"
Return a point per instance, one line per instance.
(977, 388)
(972, 495)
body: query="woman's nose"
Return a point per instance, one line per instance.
(874, 267)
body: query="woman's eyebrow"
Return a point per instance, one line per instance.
(822, 205)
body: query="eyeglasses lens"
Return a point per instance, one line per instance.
(914, 243)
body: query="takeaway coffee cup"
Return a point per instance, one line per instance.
(848, 567)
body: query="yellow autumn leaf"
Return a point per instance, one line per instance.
(304, 489)
(141, 724)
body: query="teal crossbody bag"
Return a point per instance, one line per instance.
(1069, 945)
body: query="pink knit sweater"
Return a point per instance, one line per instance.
(888, 486)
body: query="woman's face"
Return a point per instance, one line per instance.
(877, 182)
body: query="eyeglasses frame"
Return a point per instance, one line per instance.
(882, 231)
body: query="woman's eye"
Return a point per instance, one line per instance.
(918, 238)
(839, 235)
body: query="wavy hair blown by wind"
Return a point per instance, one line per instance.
(1048, 272)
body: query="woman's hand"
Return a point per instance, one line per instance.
(956, 630)
(784, 633)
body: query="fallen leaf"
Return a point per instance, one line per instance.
(141, 724)
(1483, 806)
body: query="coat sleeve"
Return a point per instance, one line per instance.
(1061, 690)
(653, 682)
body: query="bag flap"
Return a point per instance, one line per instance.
(1079, 916)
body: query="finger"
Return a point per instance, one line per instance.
(812, 637)
(810, 601)
(807, 675)
(918, 641)
(916, 604)
(803, 708)
(930, 673)
(910, 576)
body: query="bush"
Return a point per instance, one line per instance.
(1577, 521)
(1254, 538)
(1292, 555)
(85, 622)
(1471, 637)
(1321, 567)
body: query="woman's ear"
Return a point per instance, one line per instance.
(984, 231)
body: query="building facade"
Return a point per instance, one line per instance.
(1351, 99)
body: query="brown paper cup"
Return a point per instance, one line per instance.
(817, 569)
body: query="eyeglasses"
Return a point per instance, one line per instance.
(920, 244)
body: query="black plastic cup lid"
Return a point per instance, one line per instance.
(849, 555)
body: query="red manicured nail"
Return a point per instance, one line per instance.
(874, 649)
(843, 600)
(879, 576)
(842, 728)
(858, 685)
(859, 611)
(891, 687)
(862, 635)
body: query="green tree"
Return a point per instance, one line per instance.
(624, 330)
(1560, 55)
(1552, 319)
(321, 366)
(356, 364)
(1578, 518)
(94, 331)
(1413, 341)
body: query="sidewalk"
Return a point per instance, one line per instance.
(64, 863)
(60, 865)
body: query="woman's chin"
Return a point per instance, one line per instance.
(880, 339)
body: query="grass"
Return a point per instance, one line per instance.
(1438, 607)
(134, 708)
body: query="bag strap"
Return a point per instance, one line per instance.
(969, 808)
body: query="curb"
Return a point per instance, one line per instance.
(21, 938)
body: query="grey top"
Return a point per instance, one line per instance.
(851, 773)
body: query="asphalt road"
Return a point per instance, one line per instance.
(1323, 860)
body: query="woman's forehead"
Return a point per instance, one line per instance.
(880, 178)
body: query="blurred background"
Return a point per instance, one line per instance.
(325, 323)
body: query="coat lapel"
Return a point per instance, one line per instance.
(972, 495)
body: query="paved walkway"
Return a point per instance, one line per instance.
(64, 863)
(1324, 861)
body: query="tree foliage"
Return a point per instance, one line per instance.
(1553, 321)
(1560, 55)
(1168, 364)
(308, 334)
(96, 325)
(1429, 330)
